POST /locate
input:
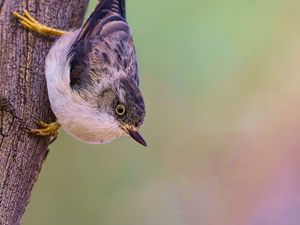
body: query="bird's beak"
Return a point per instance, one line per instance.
(135, 135)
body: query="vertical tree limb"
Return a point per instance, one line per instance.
(23, 96)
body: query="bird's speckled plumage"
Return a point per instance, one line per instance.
(92, 70)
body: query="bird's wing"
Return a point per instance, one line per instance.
(107, 20)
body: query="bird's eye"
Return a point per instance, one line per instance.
(120, 110)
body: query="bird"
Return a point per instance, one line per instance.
(92, 77)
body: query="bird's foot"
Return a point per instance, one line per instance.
(46, 129)
(32, 24)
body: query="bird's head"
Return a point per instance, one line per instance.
(123, 101)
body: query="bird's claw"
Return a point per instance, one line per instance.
(32, 24)
(29, 22)
(46, 129)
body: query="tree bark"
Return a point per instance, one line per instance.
(23, 96)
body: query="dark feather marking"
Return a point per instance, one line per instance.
(78, 75)
(120, 48)
(107, 44)
(119, 57)
(106, 58)
(125, 64)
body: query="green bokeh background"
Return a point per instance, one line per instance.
(214, 75)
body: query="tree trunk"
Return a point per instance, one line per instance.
(23, 96)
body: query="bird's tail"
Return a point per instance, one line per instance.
(117, 6)
(103, 13)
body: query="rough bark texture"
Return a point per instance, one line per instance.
(23, 96)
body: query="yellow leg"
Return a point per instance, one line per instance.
(32, 24)
(47, 129)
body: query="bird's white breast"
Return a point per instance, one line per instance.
(78, 117)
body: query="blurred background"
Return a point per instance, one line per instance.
(222, 90)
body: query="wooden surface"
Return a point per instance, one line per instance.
(23, 96)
